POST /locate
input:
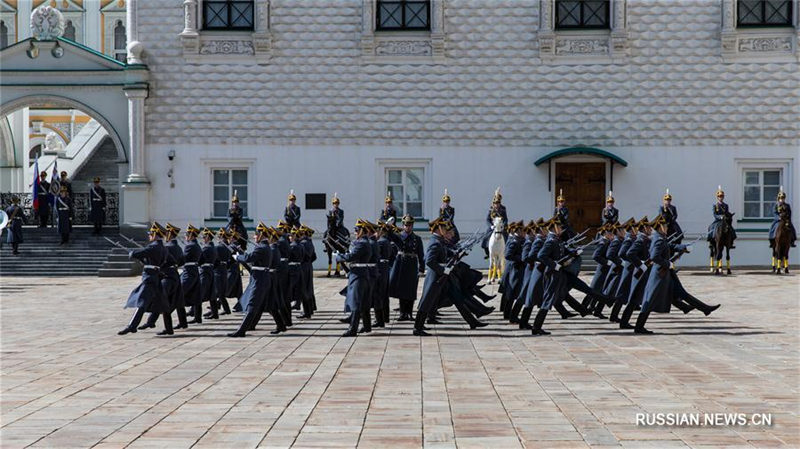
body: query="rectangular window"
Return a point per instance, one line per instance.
(226, 182)
(764, 13)
(406, 186)
(315, 201)
(582, 14)
(760, 191)
(403, 15)
(228, 15)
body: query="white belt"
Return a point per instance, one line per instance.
(294, 263)
(384, 260)
(284, 259)
(357, 265)
(152, 267)
(190, 264)
(272, 270)
(211, 265)
(259, 268)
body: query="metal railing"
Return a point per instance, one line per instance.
(80, 203)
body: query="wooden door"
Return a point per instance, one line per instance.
(583, 184)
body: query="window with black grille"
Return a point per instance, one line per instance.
(764, 13)
(315, 201)
(582, 14)
(403, 15)
(228, 15)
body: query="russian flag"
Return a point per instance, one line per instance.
(36, 184)
(55, 184)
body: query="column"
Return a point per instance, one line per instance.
(728, 34)
(136, 96)
(131, 28)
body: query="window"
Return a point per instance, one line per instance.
(403, 15)
(406, 187)
(120, 54)
(582, 14)
(228, 15)
(761, 188)
(315, 201)
(3, 34)
(69, 30)
(764, 13)
(226, 183)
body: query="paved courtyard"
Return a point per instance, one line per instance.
(69, 381)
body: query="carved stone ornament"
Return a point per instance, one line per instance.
(404, 48)
(47, 23)
(581, 46)
(757, 44)
(228, 47)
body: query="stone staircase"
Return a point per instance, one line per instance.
(102, 163)
(85, 254)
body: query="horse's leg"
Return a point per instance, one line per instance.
(711, 254)
(330, 260)
(728, 258)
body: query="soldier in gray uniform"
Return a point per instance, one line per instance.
(550, 257)
(65, 213)
(190, 277)
(208, 258)
(357, 258)
(610, 213)
(388, 211)
(719, 210)
(291, 214)
(16, 216)
(149, 294)
(436, 257)
(407, 266)
(171, 280)
(97, 206)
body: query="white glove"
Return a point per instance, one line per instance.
(448, 270)
(671, 266)
(643, 267)
(688, 249)
(625, 263)
(336, 254)
(609, 263)
(579, 252)
(558, 266)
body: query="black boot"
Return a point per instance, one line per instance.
(615, 312)
(225, 307)
(150, 323)
(537, 323)
(625, 321)
(524, 320)
(640, 322)
(167, 324)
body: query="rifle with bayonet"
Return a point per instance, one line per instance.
(577, 238)
(338, 246)
(118, 244)
(573, 253)
(131, 241)
(462, 249)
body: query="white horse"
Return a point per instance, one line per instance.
(497, 249)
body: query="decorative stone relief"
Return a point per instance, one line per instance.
(227, 48)
(581, 46)
(765, 44)
(47, 23)
(404, 48)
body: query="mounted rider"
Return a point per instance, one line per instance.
(781, 206)
(495, 210)
(720, 210)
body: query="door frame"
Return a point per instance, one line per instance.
(578, 158)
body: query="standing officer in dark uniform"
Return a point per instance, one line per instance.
(65, 182)
(495, 210)
(65, 213)
(236, 221)
(610, 213)
(357, 258)
(408, 265)
(388, 211)
(562, 212)
(208, 258)
(97, 206)
(44, 200)
(719, 210)
(336, 228)
(291, 214)
(149, 294)
(16, 216)
(670, 213)
(781, 206)
(190, 277)
(448, 212)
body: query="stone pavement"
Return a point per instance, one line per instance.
(69, 381)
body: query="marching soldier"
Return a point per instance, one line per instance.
(259, 260)
(44, 200)
(149, 294)
(65, 213)
(638, 255)
(407, 266)
(97, 206)
(553, 281)
(291, 214)
(436, 257)
(670, 213)
(357, 258)
(518, 300)
(532, 291)
(235, 287)
(603, 265)
(781, 206)
(275, 303)
(620, 293)
(220, 277)
(16, 216)
(309, 256)
(562, 212)
(614, 259)
(208, 258)
(610, 213)
(190, 277)
(282, 237)
(495, 210)
(171, 280)
(719, 210)
(385, 259)
(296, 292)
(448, 212)
(236, 223)
(512, 277)
(388, 211)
